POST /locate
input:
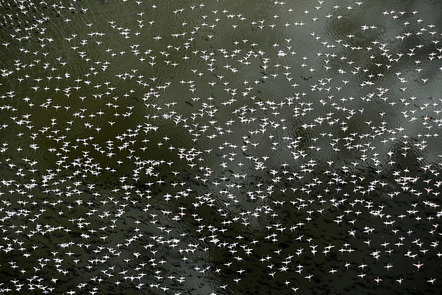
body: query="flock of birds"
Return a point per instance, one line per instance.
(225, 147)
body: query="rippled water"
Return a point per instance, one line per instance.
(227, 147)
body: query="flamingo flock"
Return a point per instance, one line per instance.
(220, 147)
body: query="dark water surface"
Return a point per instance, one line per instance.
(220, 147)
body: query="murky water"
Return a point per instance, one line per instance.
(227, 147)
